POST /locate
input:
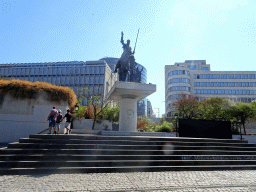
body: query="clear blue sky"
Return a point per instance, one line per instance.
(223, 32)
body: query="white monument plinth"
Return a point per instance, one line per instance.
(129, 93)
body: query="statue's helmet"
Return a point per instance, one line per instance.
(128, 41)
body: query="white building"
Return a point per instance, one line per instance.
(194, 77)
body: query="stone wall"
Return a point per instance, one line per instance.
(21, 117)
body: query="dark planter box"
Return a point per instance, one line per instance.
(199, 128)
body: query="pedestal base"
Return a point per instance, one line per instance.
(128, 115)
(129, 93)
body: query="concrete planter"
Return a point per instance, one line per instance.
(86, 124)
(249, 138)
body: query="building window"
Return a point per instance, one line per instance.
(240, 84)
(239, 76)
(250, 76)
(233, 84)
(242, 76)
(218, 76)
(212, 84)
(226, 84)
(246, 76)
(194, 76)
(221, 76)
(235, 76)
(229, 77)
(206, 69)
(215, 84)
(204, 76)
(232, 76)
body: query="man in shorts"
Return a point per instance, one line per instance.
(59, 117)
(68, 121)
(52, 120)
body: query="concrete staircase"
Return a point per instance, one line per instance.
(95, 153)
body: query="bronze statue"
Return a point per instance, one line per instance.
(123, 63)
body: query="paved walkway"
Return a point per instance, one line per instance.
(199, 181)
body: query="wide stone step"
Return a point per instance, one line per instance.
(138, 138)
(128, 142)
(131, 147)
(124, 152)
(70, 170)
(68, 157)
(119, 163)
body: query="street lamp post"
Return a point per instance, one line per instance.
(176, 116)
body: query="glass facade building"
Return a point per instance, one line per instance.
(142, 104)
(194, 77)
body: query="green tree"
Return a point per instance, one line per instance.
(109, 113)
(244, 112)
(213, 108)
(187, 106)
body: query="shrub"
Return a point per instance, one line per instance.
(81, 112)
(28, 90)
(151, 127)
(142, 125)
(165, 127)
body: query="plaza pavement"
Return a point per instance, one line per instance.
(198, 181)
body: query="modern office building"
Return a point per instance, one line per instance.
(150, 112)
(96, 75)
(141, 75)
(194, 77)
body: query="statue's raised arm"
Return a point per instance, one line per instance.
(122, 38)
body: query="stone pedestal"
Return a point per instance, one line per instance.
(128, 94)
